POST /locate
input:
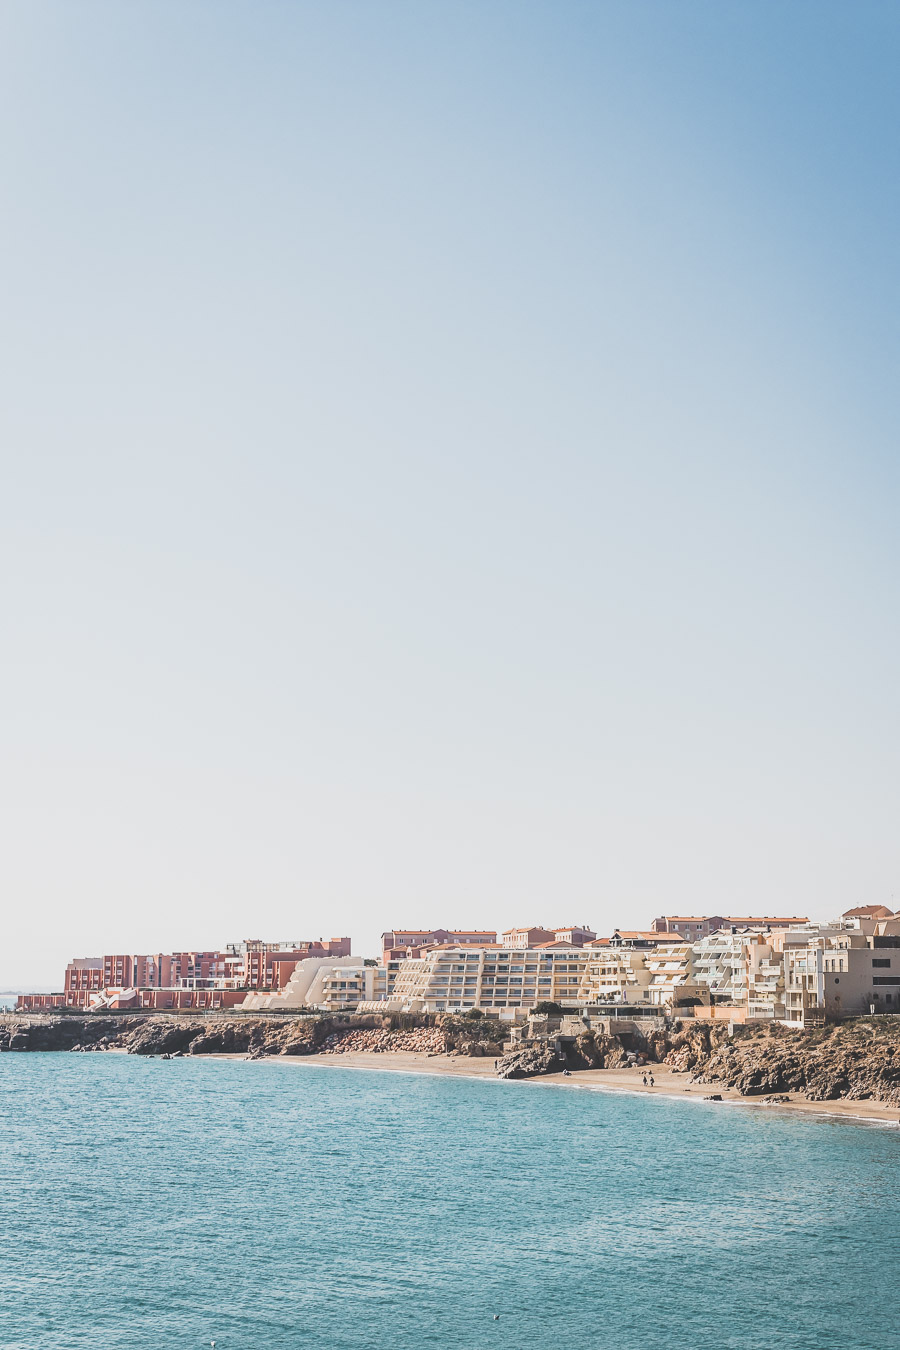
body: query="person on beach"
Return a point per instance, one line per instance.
(651, 1080)
(645, 1080)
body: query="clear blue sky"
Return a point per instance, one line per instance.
(450, 466)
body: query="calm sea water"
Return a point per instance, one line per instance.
(163, 1205)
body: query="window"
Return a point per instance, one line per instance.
(884, 963)
(886, 979)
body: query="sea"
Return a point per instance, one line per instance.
(168, 1205)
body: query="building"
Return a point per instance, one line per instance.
(269, 965)
(692, 927)
(720, 966)
(848, 976)
(630, 937)
(398, 943)
(527, 937)
(868, 912)
(128, 980)
(673, 980)
(304, 987)
(577, 936)
(613, 973)
(765, 982)
(495, 979)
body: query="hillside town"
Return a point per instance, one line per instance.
(744, 969)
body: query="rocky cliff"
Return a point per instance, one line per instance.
(256, 1036)
(858, 1060)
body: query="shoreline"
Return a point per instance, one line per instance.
(668, 1083)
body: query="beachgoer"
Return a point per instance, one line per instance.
(645, 1080)
(651, 1080)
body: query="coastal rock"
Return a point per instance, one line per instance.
(858, 1060)
(529, 1063)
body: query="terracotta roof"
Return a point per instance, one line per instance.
(868, 912)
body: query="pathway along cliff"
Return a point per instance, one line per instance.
(855, 1061)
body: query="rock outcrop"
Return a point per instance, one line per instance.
(858, 1060)
(255, 1036)
(530, 1063)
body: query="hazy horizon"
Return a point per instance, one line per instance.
(449, 465)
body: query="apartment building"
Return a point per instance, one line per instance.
(575, 935)
(693, 927)
(344, 988)
(614, 973)
(520, 938)
(398, 943)
(269, 965)
(630, 937)
(847, 976)
(493, 979)
(868, 912)
(673, 980)
(765, 987)
(720, 965)
(159, 980)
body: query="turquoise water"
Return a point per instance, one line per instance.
(162, 1205)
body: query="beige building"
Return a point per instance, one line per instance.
(673, 980)
(493, 979)
(614, 974)
(848, 976)
(304, 988)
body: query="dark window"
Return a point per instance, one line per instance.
(886, 963)
(886, 979)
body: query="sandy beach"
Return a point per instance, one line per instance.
(667, 1083)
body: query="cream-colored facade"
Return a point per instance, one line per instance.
(305, 987)
(764, 990)
(345, 987)
(672, 975)
(489, 979)
(847, 976)
(614, 975)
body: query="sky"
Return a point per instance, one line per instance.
(449, 467)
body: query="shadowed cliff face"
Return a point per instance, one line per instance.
(255, 1036)
(858, 1060)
